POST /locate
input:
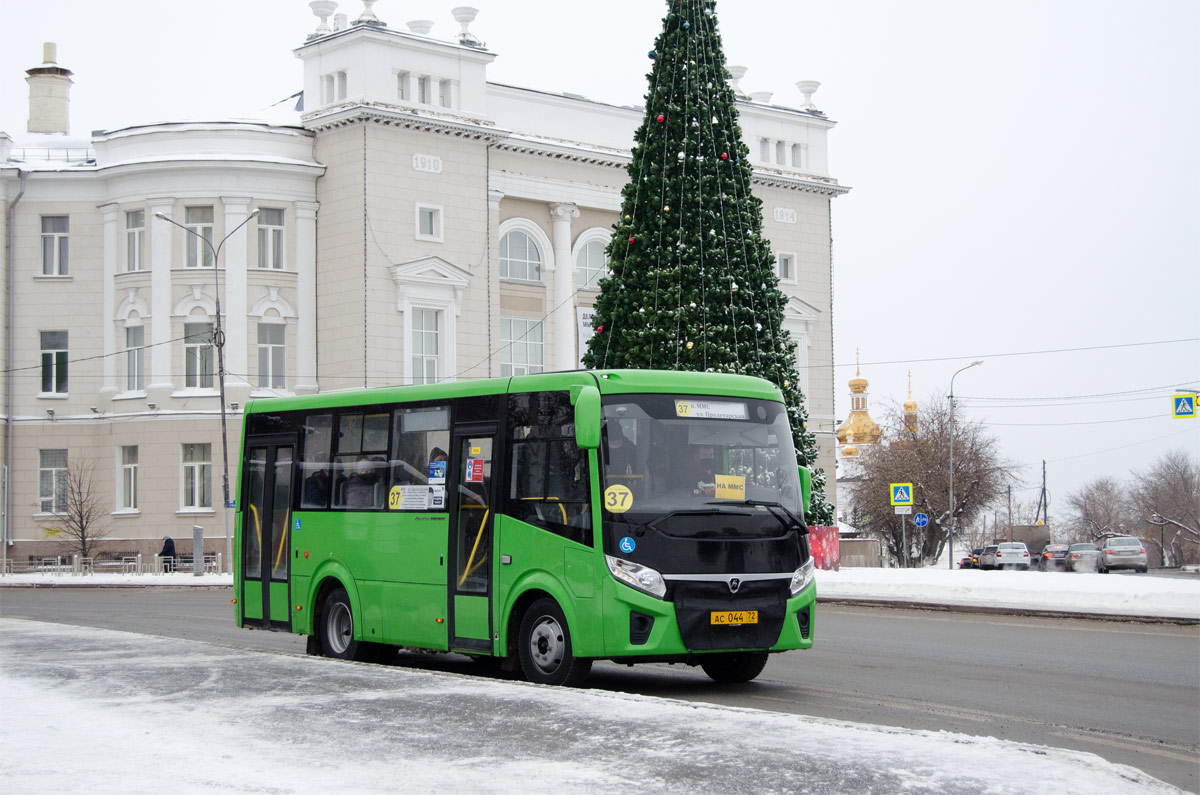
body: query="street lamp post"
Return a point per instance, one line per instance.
(952, 429)
(219, 341)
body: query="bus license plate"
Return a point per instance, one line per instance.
(729, 618)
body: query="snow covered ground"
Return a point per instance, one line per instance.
(113, 712)
(1130, 595)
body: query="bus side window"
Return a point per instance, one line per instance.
(548, 477)
(360, 461)
(420, 449)
(314, 463)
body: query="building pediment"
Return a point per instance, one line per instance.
(429, 278)
(800, 310)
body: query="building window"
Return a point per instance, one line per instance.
(341, 86)
(271, 355)
(135, 239)
(403, 92)
(55, 245)
(270, 239)
(197, 476)
(425, 346)
(198, 355)
(54, 362)
(786, 266)
(199, 221)
(425, 90)
(591, 264)
(129, 477)
(429, 223)
(764, 150)
(519, 257)
(781, 153)
(135, 358)
(520, 346)
(52, 481)
(445, 93)
(798, 156)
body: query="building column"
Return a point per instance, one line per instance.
(233, 300)
(563, 307)
(306, 298)
(109, 215)
(161, 236)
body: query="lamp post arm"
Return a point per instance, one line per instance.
(953, 427)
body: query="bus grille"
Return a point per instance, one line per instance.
(696, 601)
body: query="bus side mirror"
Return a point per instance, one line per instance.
(805, 487)
(587, 418)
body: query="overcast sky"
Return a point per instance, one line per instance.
(1025, 173)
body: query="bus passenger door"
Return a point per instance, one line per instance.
(266, 534)
(472, 514)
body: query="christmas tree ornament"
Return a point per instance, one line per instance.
(734, 287)
(690, 344)
(651, 54)
(682, 155)
(724, 156)
(666, 208)
(632, 240)
(661, 118)
(687, 26)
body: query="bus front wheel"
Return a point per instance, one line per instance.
(734, 667)
(545, 647)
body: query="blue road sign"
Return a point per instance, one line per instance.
(902, 494)
(1184, 406)
(920, 520)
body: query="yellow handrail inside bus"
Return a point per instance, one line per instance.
(469, 569)
(279, 553)
(257, 535)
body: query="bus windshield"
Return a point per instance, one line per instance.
(676, 461)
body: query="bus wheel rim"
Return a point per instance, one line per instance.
(340, 628)
(546, 645)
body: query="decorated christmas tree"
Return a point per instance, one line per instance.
(692, 282)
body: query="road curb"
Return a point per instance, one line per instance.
(1005, 611)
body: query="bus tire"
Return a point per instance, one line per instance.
(734, 667)
(544, 647)
(337, 627)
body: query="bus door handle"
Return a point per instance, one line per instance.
(505, 560)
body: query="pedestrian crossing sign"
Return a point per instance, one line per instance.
(1185, 406)
(902, 494)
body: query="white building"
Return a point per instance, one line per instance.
(414, 222)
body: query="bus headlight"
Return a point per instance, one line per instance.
(638, 576)
(802, 577)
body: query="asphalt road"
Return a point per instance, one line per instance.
(1125, 691)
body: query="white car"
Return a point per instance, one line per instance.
(1012, 555)
(1121, 552)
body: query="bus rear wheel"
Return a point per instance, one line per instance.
(734, 667)
(337, 627)
(544, 647)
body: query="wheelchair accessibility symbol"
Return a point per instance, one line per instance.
(627, 545)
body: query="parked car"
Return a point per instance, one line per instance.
(1012, 555)
(1121, 552)
(971, 559)
(1053, 556)
(1082, 557)
(987, 558)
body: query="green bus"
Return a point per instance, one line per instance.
(544, 520)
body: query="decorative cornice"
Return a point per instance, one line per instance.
(389, 116)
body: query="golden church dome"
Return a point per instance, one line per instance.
(858, 426)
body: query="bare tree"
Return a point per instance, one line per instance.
(84, 520)
(922, 457)
(1167, 496)
(1098, 510)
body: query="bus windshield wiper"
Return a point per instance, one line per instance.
(795, 520)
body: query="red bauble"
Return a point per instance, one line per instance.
(632, 240)
(599, 329)
(724, 156)
(661, 119)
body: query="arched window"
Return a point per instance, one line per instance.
(591, 264)
(520, 257)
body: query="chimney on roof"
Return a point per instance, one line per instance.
(49, 94)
